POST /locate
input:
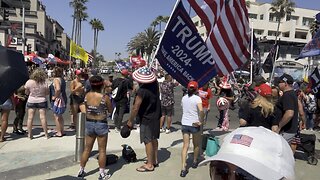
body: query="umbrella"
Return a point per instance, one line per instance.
(13, 72)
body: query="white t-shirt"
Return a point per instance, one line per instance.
(190, 109)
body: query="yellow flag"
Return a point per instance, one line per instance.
(78, 52)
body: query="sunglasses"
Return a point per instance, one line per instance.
(227, 171)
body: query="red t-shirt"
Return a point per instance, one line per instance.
(205, 96)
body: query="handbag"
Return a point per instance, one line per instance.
(59, 106)
(213, 146)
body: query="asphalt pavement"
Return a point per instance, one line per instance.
(53, 158)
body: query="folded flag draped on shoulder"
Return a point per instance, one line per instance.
(182, 52)
(268, 63)
(312, 48)
(78, 52)
(228, 32)
(314, 80)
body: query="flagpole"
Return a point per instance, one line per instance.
(154, 55)
(274, 64)
(251, 51)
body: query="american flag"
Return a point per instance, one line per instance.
(227, 25)
(241, 139)
(90, 57)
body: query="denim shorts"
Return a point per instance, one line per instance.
(42, 105)
(190, 129)
(7, 105)
(96, 128)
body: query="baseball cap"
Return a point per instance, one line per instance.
(125, 131)
(125, 72)
(264, 90)
(193, 84)
(286, 78)
(257, 150)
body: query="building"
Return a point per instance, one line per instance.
(293, 33)
(43, 34)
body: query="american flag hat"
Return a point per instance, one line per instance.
(144, 75)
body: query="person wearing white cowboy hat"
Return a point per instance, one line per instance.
(252, 153)
(147, 108)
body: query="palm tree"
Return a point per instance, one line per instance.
(313, 28)
(281, 8)
(97, 26)
(136, 44)
(79, 15)
(150, 40)
(159, 20)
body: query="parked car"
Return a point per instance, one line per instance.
(105, 71)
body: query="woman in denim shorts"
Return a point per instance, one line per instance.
(5, 111)
(191, 122)
(97, 106)
(38, 90)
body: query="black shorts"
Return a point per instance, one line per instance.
(150, 131)
(42, 105)
(167, 110)
(75, 99)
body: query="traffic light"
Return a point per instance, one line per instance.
(5, 15)
(29, 49)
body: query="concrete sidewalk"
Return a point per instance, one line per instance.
(53, 158)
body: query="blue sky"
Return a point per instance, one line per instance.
(122, 20)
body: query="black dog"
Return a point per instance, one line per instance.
(128, 154)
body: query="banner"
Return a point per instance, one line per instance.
(137, 61)
(268, 63)
(183, 53)
(78, 52)
(312, 48)
(314, 80)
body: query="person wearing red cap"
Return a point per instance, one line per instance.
(261, 111)
(191, 111)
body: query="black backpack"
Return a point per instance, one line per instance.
(118, 86)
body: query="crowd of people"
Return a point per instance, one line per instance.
(282, 110)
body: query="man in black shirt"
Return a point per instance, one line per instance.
(120, 96)
(147, 107)
(288, 106)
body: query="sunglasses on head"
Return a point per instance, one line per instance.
(226, 171)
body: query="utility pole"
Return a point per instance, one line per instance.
(23, 29)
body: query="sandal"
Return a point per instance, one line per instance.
(194, 165)
(154, 165)
(183, 173)
(144, 169)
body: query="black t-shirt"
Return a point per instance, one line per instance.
(127, 84)
(226, 92)
(254, 117)
(289, 101)
(150, 108)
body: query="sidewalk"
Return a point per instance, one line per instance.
(54, 159)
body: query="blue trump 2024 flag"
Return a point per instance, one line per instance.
(183, 53)
(312, 48)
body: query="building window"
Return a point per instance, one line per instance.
(272, 33)
(301, 35)
(261, 17)
(306, 21)
(286, 34)
(252, 16)
(273, 17)
(258, 31)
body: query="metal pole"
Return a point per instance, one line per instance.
(80, 129)
(251, 57)
(23, 30)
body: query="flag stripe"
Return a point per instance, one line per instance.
(228, 41)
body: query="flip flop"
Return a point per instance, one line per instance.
(144, 169)
(58, 136)
(155, 165)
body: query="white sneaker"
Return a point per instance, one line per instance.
(104, 176)
(168, 131)
(162, 130)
